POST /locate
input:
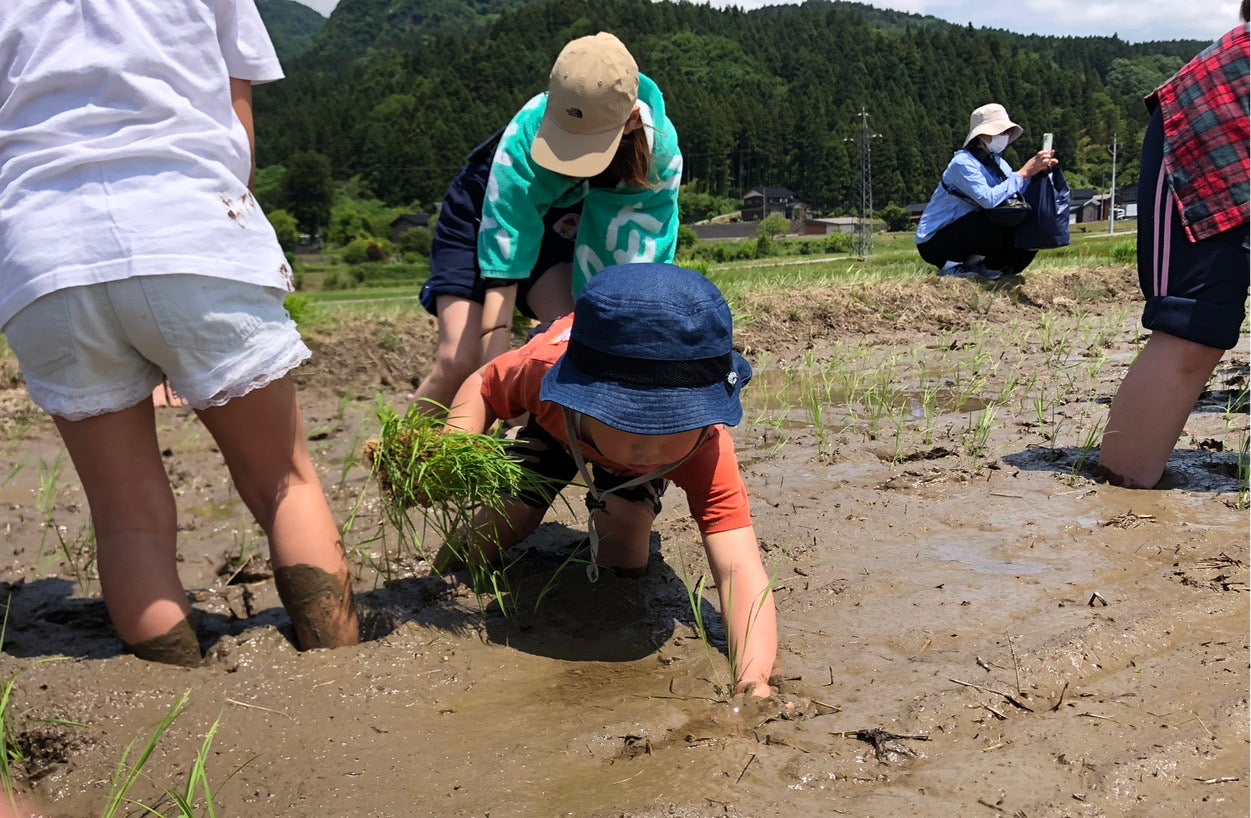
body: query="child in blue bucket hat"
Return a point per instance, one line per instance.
(631, 391)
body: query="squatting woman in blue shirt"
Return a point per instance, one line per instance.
(956, 233)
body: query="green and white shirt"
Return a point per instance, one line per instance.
(618, 226)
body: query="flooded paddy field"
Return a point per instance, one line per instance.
(970, 625)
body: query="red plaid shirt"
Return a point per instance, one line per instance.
(1207, 138)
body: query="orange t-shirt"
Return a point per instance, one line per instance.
(714, 488)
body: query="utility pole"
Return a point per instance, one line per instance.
(1112, 193)
(864, 229)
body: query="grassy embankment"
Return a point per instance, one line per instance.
(895, 257)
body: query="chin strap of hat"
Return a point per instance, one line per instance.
(596, 501)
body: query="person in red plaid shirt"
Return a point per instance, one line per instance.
(1192, 254)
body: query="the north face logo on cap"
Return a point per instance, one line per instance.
(576, 113)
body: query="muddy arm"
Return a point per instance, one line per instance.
(747, 606)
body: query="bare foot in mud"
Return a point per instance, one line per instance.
(321, 606)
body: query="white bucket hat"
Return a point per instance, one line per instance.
(991, 120)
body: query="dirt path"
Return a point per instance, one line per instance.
(969, 624)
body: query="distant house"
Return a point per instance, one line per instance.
(407, 221)
(915, 209)
(1082, 206)
(760, 202)
(826, 227)
(1089, 206)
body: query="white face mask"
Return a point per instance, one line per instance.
(996, 144)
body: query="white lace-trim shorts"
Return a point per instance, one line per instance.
(101, 348)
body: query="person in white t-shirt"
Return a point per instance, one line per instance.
(132, 249)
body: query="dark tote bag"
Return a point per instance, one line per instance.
(1048, 225)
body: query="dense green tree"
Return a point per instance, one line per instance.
(396, 92)
(292, 26)
(896, 217)
(774, 225)
(308, 190)
(286, 227)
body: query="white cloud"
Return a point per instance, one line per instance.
(322, 6)
(1132, 20)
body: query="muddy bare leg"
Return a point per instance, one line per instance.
(262, 437)
(321, 606)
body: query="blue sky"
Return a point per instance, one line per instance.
(1133, 20)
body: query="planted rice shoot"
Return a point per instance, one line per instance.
(977, 440)
(197, 785)
(11, 751)
(454, 477)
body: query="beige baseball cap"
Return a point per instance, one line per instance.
(592, 91)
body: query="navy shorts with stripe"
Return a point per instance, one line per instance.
(454, 267)
(1195, 291)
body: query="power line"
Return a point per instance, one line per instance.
(864, 228)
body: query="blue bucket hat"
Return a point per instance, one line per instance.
(651, 352)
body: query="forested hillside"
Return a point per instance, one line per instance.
(395, 92)
(292, 27)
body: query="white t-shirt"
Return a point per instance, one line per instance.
(120, 152)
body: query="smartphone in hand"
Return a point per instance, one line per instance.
(1046, 142)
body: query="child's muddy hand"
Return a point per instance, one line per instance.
(759, 690)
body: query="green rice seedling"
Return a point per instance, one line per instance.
(695, 591)
(929, 413)
(79, 553)
(1040, 410)
(452, 476)
(13, 473)
(901, 419)
(812, 402)
(1050, 331)
(49, 490)
(197, 779)
(965, 388)
(125, 778)
(1242, 471)
(11, 752)
(753, 614)
(352, 458)
(1008, 390)
(197, 785)
(695, 597)
(978, 435)
(1095, 366)
(246, 546)
(1093, 435)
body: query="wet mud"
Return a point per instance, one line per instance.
(970, 623)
